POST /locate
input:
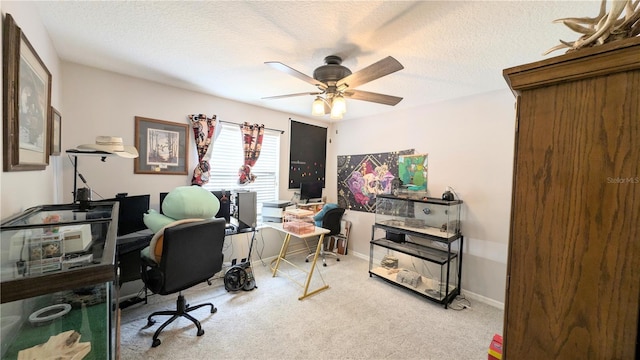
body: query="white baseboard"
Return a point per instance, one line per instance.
(359, 255)
(469, 294)
(491, 302)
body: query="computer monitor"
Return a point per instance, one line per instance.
(162, 196)
(311, 191)
(132, 210)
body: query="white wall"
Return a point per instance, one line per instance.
(105, 103)
(470, 146)
(24, 189)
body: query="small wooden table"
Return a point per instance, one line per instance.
(283, 253)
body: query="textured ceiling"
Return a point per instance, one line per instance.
(449, 49)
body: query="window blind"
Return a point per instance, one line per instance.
(227, 156)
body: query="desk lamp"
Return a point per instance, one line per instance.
(105, 146)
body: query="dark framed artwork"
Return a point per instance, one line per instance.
(26, 103)
(308, 154)
(56, 132)
(163, 147)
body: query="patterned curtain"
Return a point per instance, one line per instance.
(203, 129)
(252, 139)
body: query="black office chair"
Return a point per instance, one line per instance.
(331, 221)
(191, 254)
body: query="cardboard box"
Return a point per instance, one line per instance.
(45, 253)
(77, 238)
(495, 348)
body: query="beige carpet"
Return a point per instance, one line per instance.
(358, 317)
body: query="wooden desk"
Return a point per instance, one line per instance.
(283, 253)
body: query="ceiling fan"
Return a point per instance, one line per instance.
(337, 82)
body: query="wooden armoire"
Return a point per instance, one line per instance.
(573, 272)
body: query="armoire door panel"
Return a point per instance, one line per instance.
(574, 252)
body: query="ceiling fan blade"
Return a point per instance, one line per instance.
(373, 97)
(293, 72)
(374, 71)
(291, 95)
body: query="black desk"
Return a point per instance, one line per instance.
(128, 249)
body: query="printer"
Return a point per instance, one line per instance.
(274, 211)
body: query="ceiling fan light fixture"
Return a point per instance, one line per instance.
(339, 104)
(337, 108)
(334, 81)
(317, 108)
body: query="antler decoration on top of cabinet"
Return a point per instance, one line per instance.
(604, 28)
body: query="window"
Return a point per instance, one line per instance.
(227, 156)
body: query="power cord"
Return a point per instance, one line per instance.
(260, 251)
(84, 181)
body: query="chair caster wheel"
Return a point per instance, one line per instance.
(325, 265)
(214, 310)
(200, 332)
(306, 260)
(337, 259)
(156, 342)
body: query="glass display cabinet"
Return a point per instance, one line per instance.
(416, 244)
(58, 282)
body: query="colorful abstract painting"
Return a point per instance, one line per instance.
(413, 171)
(362, 177)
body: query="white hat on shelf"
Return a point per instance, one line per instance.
(111, 145)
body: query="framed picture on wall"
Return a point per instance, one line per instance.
(26, 102)
(56, 132)
(308, 154)
(163, 147)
